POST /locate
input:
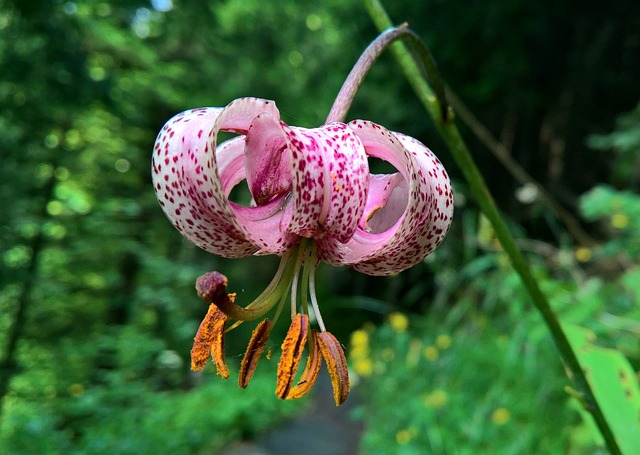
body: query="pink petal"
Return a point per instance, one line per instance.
(187, 181)
(423, 219)
(261, 223)
(239, 114)
(330, 181)
(266, 159)
(349, 173)
(387, 200)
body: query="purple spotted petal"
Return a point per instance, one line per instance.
(329, 181)
(188, 185)
(415, 211)
(348, 172)
(261, 223)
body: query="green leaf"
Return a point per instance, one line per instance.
(614, 385)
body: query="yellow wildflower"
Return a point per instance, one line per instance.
(619, 221)
(403, 437)
(583, 254)
(436, 399)
(359, 338)
(443, 341)
(500, 416)
(363, 367)
(431, 353)
(398, 321)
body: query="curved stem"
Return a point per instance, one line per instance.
(458, 148)
(355, 78)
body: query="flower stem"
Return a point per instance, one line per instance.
(355, 78)
(458, 148)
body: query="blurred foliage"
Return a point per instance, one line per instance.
(480, 376)
(624, 143)
(97, 308)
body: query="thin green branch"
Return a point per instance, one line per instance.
(458, 148)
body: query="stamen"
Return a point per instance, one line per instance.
(336, 365)
(311, 370)
(210, 340)
(275, 280)
(283, 298)
(256, 346)
(292, 348)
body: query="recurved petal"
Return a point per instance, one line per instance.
(187, 180)
(267, 160)
(348, 172)
(239, 114)
(329, 181)
(387, 197)
(187, 185)
(261, 223)
(416, 213)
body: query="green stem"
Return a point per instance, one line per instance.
(355, 78)
(461, 154)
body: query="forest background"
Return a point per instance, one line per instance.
(97, 307)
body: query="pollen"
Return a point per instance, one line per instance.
(292, 348)
(210, 340)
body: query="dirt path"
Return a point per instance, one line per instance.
(323, 429)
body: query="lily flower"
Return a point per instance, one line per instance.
(313, 199)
